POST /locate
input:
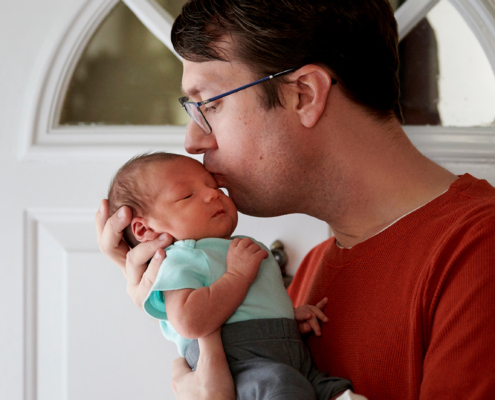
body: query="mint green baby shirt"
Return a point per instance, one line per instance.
(193, 264)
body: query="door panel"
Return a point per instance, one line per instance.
(69, 330)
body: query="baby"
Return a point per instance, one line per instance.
(210, 279)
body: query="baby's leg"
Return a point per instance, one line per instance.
(326, 386)
(192, 354)
(261, 379)
(268, 360)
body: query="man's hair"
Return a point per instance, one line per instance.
(357, 40)
(130, 187)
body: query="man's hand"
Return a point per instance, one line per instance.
(211, 380)
(307, 316)
(244, 259)
(133, 263)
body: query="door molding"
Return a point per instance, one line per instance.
(410, 13)
(49, 235)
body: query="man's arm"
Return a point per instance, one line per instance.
(197, 313)
(459, 339)
(211, 380)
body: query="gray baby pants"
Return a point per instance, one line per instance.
(269, 361)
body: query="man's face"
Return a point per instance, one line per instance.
(250, 150)
(189, 204)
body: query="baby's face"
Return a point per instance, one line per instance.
(189, 204)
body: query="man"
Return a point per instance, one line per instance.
(409, 274)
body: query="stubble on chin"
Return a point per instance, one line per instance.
(255, 205)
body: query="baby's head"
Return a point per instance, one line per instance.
(170, 193)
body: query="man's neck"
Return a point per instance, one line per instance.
(382, 177)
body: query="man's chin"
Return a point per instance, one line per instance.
(247, 207)
(222, 183)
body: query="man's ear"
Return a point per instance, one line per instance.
(142, 231)
(313, 87)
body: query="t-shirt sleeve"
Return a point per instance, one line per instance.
(183, 268)
(460, 336)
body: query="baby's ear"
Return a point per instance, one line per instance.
(142, 231)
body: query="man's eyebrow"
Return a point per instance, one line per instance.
(191, 92)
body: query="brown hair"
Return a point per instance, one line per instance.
(356, 39)
(129, 187)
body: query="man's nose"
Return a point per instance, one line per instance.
(196, 141)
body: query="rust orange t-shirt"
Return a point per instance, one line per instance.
(412, 309)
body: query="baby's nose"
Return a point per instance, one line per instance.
(212, 194)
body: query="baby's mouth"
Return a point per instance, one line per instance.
(220, 212)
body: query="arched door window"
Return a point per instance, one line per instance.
(125, 76)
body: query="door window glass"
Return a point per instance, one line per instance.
(126, 76)
(446, 78)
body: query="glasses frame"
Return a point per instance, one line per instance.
(185, 103)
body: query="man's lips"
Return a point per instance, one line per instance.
(219, 179)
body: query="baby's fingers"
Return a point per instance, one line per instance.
(234, 243)
(301, 314)
(245, 243)
(304, 327)
(261, 254)
(315, 325)
(322, 303)
(319, 314)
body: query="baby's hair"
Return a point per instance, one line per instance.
(129, 187)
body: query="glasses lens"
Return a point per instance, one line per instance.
(197, 117)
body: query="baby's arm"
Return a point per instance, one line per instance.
(195, 313)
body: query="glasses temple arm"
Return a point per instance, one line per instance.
(246, 86)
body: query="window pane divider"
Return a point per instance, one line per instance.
(410, 13)
(158, 21)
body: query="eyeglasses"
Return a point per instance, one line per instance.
(194, 112)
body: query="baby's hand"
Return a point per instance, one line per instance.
(307, 316)
(244, 258)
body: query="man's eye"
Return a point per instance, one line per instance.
(187, 197)
(211, 108)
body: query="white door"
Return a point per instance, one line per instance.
(69, 330)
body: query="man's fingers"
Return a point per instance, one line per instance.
(180, 368)
(148, 278)
(138, 257)
(111, 243)
(101, 219)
